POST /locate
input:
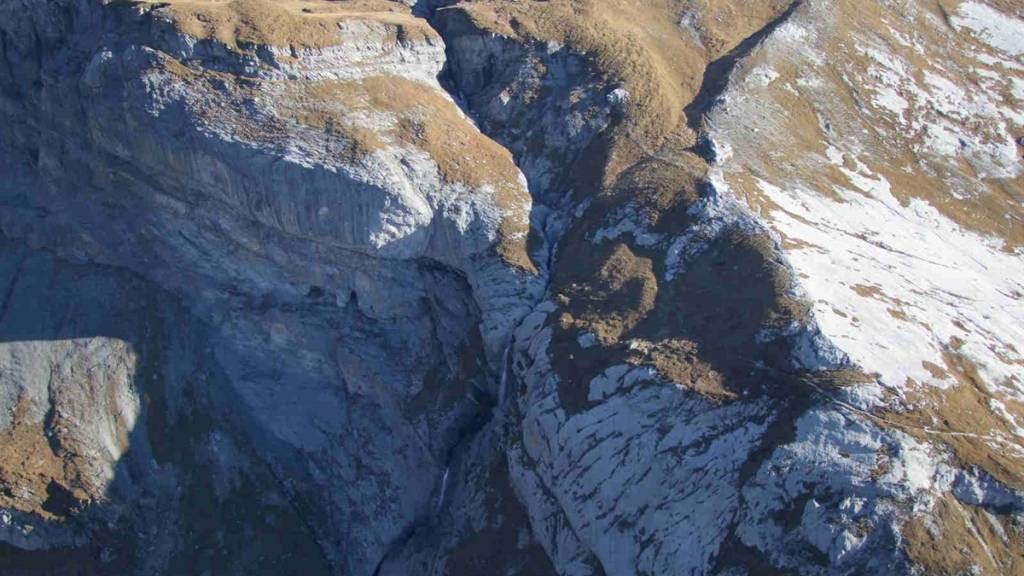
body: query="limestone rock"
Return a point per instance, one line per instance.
(458, 287)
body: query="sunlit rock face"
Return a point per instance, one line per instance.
(484, 287)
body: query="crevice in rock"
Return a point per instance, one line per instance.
(9, 292)
(716, 80)
(492, 407)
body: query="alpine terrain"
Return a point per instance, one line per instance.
(511, 287)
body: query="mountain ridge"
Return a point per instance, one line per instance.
(564, 287)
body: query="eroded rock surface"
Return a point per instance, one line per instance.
(483, 287)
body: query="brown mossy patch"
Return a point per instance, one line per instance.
(617, 298)
(295, 23)
(679, 360)
(48, 466)
(722, 300)
(746, 187)
(605, 290)
(698, 330)
(660, 191)
(958, 538)
(36, 475)
(875, 292)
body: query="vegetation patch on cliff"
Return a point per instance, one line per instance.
(639, 44)
(294, 23)
(965, 539)
(381, 110)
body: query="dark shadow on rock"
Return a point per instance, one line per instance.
(187, 496)
(717, 73)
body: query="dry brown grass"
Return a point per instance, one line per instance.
(31, 466)
(997, 210)
(298, 23)
(680, 361)
(793, 149)
(966, 411)
(697, 330)
(606, 290)
(637, 43)
(722, 24)
(623, 293)
(964, 537)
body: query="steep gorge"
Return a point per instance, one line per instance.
(550, 339)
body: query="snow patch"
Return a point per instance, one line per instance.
(1000, 31)
(893, 286)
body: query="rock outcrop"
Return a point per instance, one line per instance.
(484, 287)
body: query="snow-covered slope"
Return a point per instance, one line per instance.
(484, 287)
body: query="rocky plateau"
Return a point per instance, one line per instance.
(511, 287)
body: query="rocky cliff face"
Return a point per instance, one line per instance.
(486, 287)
